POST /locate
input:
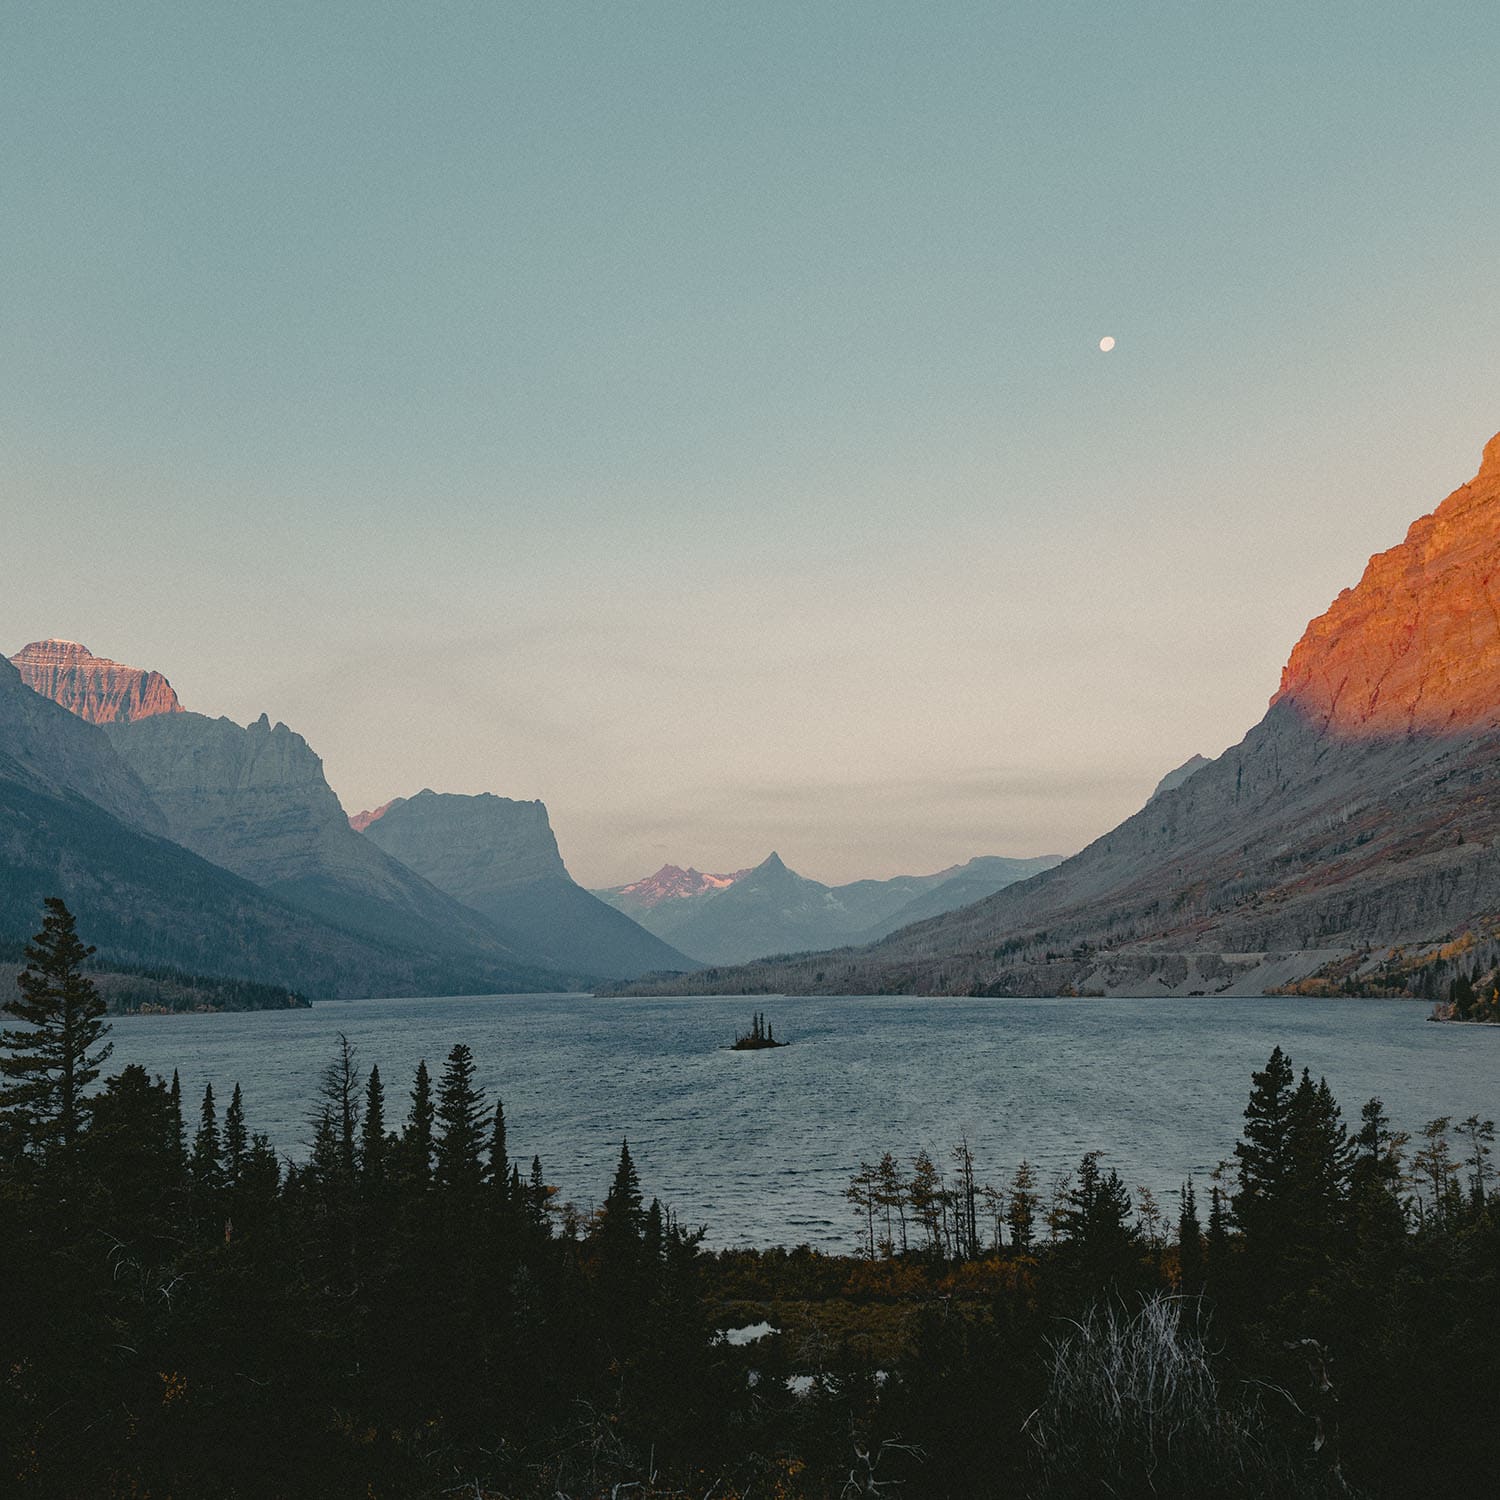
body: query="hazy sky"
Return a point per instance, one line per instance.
(693, 414)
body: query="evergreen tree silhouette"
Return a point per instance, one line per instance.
(460, 1118)
(416, 1138)
(46, 1066)
(372, 1141)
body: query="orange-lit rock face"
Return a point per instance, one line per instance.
(1415, 647)
(101, 691)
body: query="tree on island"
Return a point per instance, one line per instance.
(47, 1066)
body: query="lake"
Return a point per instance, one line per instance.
(759, 1146)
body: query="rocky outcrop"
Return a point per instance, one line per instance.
(1415, 647)
(500, 858)
(76, 822)
(1362, 812)
(93, 687)
(52, 751)
(254, 800)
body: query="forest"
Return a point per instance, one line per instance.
(411, 1312)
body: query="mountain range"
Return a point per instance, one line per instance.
(1360, 815)
(221, 849)
(770, 909)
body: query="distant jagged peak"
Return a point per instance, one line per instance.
(1414, 647)
(93, 687)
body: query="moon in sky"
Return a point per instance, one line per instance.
(1106, 343)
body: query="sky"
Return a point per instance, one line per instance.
(693, 414)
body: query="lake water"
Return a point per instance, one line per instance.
(759, 1146)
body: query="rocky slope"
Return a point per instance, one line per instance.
(54, 752)
(772, 909)
(93, 687)
(76, 822)
(1362, 812)
(500, 858)
(254, 800)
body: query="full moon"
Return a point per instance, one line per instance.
(1106, 343)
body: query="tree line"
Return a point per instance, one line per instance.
(411, 1312)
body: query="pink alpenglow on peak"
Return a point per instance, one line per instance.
(361, 820)
(93, 687)
(673, 883)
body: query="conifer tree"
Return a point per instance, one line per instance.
(460, 1117)
(208, 1156)
(1317, 1175)
(498, 1169)
(338, 1099)
(236, 1141)
(537, 1197)
(1264, 1156)
(46, 1066)
(1020, 1215)
(1377, 1212)
(372, 1142)
(1216, 1243)
(179, 1144)
(1189, 1240)
(416, 1139)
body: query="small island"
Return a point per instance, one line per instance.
(760, 1035)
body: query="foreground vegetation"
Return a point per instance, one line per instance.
(411, 1313)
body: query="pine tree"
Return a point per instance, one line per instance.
(207, 1164)
(372, 1142)
(498, 1168)
(1189, 1240)
(1020, 1215)
(416, 1139)
(460, 1116)
(1264, 1156)
(179, 1144)
(1216, 1244)
(1317, 1179)
(338, 1099)
(46, 1067)
(1377, 1213)
(236, 1141)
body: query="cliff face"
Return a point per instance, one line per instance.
(1362, 812)
(254, 801)
(76, 822)
(1415, 648)
(52, 751)
(500, 858)
(93, 687)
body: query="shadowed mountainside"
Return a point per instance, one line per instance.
(76, 822)
(500, 858)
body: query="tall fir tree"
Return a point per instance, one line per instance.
(207, 1165)
(416, 1138)
(46, 1066)
(236, 1139)
(1264, 1156)
(1189, 1240)
(372, 1141)
(460, 1118)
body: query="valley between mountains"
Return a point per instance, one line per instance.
(1346, 844)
